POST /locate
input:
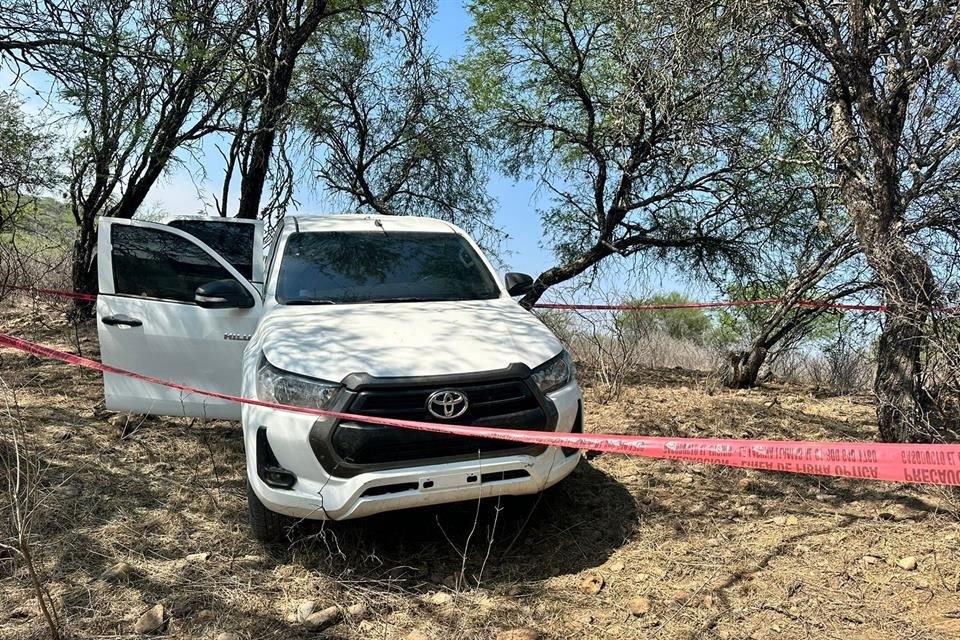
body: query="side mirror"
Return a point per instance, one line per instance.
(518, 284)
(223, 294)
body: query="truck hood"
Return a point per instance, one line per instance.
(404, 339)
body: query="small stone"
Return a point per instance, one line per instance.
(518, 634)
(151, 621)
(322, 619)
(441, 598)
(639, 606)
(227, 635)
(249, 562)
(792, 520)
(592, 584)
(416, 635)
(69, 491)
(908, 564)
(682, 597)
(305, 609)
(780, 520)
(616, 567)
(198, 557)
(118, 572)
(870, 559)
(357, 610)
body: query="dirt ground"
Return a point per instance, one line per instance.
(681, 550)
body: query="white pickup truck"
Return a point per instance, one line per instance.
(375, 316)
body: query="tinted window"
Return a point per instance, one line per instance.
(232, 240)
(157, 264)
(335, 267)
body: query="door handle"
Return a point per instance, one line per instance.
(121, 320)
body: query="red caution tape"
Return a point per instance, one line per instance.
(733, 303)
(919, 463)
(90, 297)
(650, 307)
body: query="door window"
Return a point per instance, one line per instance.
(231, 240)
(153, 263)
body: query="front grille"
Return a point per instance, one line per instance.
(499, 403)
(510, 400)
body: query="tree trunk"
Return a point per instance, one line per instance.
(285, 44)
(743, 368)
(83, 269)
(903, 404)
(908, 284)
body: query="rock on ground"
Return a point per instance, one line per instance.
(150, 621)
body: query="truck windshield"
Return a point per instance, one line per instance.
(360, 267)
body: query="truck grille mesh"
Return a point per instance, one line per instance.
(502, 403)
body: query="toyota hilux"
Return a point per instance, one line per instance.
(396, 317)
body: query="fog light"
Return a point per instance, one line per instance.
(278, 477)
(268, 469)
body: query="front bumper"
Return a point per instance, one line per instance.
(318, 494)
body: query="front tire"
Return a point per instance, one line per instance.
(265, 525)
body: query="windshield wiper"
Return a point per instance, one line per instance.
(308, 301)
(407, 299)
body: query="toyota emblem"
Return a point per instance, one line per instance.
(447, 404)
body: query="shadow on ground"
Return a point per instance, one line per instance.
(491, 542)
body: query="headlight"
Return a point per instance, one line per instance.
(554, 373)
(274, 385)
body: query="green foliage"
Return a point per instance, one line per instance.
(683, 324)
(41, 223)
(391, 131)
(652, 126)
(27, 161)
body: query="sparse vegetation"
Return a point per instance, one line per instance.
(151, 511)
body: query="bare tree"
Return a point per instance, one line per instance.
(887, 72)
(21, 471)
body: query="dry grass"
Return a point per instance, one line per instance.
(721, 553)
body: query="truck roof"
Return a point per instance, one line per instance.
(354, 222)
